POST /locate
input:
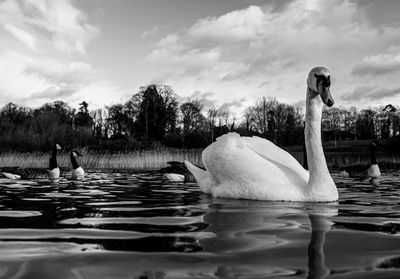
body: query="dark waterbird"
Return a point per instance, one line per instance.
(53, 172)
(177, 172)
(77, 172)
(365, 170)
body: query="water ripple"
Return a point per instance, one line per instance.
(137, 225)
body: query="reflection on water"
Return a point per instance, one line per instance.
(136, 225)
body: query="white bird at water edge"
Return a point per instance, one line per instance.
(255, 168)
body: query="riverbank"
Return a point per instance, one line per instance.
(342, 154)
(138, 160)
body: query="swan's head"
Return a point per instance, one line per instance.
(319, 81)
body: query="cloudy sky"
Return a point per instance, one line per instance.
(226, 52)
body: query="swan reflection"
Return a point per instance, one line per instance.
(242, 227)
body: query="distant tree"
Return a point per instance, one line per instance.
(99, 123)
(365, 124)
(83, 117)
(332, 120)
(194, 124)
(157, 111)
(62, 112)
(259, 114)
(212, 114)
(192, 119)
(13, 113)
(118, 121)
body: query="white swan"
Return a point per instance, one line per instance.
(255, 168)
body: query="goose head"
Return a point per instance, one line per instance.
(58, 147)
(319, 82)
(75, 153)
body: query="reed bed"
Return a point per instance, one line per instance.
(156, 159)
(139, 160)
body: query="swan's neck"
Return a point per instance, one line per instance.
(320, 184)
(316, 257)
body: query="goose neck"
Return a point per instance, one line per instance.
(74, 163)
(53, 159)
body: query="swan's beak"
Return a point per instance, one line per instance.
(326, 96)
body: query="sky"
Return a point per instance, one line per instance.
(226, 53)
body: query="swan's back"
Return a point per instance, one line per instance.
(237, 170)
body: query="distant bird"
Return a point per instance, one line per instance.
(77, 172)
(53, 172)
(177, 172)
(365, 170)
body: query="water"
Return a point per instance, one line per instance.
(136, 225)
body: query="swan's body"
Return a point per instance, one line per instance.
(77, 172)
(255, 168)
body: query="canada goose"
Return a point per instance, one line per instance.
(53, 172)
(77, 172)
(177, 172)
(255, 168)
(365, 170)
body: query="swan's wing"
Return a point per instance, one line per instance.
(277, 156)
(236, 171)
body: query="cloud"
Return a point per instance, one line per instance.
(33, 81)
(377, 65)
(259, 51)
(232, 104)
(236, 26)
(60, 22)
(371, 93)
(207, 99)
(21, 35)
(56, 34)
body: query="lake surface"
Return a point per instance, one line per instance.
(138, 226)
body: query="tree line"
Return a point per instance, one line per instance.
(153, 118)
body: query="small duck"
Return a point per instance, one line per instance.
(77, 172)
(365, 171)
(53, 172)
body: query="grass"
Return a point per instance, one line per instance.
(339, 156)
(139, 160)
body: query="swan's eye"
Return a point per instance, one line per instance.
(326, 81)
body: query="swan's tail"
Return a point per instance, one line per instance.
(202, 177)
